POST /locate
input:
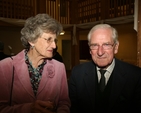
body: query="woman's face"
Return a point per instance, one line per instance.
(44, 45)
(103, 46)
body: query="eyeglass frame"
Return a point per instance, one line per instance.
(50, 40)
(103, 46)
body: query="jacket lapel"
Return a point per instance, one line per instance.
(43, 80)
(21, 73)
(117, 84)
(47, 75)
(90, 79)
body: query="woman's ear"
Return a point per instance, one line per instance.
(31, 44)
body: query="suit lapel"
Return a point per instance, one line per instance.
(117, 84)
(89, 80)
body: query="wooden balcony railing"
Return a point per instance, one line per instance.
(87, 10)
(95, 10)
(17, 9)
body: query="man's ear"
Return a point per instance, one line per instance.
(116, 48)
(90, 51)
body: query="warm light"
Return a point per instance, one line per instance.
(62, 33)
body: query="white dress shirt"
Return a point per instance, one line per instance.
(108, 72)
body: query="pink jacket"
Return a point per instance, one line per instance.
(53, 85)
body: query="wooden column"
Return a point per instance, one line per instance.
(104, 9)
(74, 47)
(75, 50)
(41, 6)
(139, 35)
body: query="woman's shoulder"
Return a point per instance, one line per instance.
(55, 63)
(6, 61)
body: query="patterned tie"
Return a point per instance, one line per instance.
(102, 80)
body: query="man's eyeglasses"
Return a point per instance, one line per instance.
(50, 40)
(105, 46)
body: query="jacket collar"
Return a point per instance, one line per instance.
(22, 74)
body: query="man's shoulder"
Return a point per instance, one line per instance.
(84, 66)
(127, 66)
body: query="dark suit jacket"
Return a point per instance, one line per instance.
(125, 94)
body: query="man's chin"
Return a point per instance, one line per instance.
(102, 65)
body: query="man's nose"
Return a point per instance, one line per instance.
(100, 50)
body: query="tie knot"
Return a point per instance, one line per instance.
(102, 71)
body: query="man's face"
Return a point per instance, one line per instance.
(103, 46)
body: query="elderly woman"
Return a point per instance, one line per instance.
(32, 82)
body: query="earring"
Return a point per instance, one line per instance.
(32, 47)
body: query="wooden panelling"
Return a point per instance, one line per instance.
(64, 11)
(22, 9)
(17, 9)
(96, 10)
(89, 11)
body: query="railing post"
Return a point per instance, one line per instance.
(139, 35)
(74, 47)
(41, 6)
(104, 9)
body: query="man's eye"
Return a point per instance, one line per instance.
(94, 45)
(106, 44)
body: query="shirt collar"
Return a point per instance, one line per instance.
(110, 67)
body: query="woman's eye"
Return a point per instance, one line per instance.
(49, 40)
